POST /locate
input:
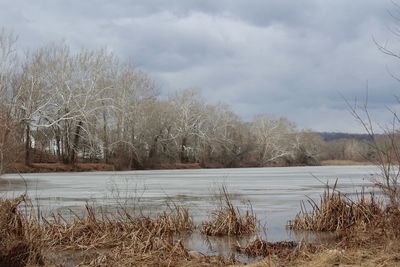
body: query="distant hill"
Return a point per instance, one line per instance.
(331, 136)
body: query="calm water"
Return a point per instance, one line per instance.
(274, 193)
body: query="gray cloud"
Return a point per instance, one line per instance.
(288, 58)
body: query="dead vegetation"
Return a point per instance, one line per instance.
(367, 233)
(358, 222)
(227, 220)
(126, 240)
(18, 247)
(165, 254)
(364, 227)
(105, 231)
(285, 250)
(131, 239)
(383, 256)
(96, 239)
(337, 212)
(60, 167)
(379, 231)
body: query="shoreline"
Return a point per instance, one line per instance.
(90, 167)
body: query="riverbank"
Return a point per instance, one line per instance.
(385, 254)
(59, 167)
(335, 162)
(87, 167)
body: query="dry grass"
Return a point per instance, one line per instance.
(358, 223)
(229, 221)
(60, 167)
(164, 254)
(371, 257)
(285, 250)
(379, 231)
(336, 212)
(386, 255)
(96, 239)
(343, 162)
(367, 230)
(18, 246)
(105, 231)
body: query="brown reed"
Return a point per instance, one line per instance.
(228, 220)
(337, 212)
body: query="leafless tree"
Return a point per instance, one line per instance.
(87, 105)
(273, 138)
(188, 125)
(8, 127)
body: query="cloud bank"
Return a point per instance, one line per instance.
(296, 59)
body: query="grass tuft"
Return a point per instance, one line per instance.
(336, 212)
(18, 245)
(229, 221)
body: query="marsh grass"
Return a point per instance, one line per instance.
(227, 220)
(362, 223)
(18, 243)
(103, 231)
(29, 239)
(382, 229)
(337, 212)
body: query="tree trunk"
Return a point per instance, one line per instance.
(183, 156)
(105, 138)
(58, 142)
(27, 145)
(76, 142)
(154, 149)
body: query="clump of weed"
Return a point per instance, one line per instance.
(359, 222)
(18, 246)
(228, 220)
(104, 231)
(336, 212)
(129, 240)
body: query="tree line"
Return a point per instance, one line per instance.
(88, 106)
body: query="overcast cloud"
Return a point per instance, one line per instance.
(281, 57)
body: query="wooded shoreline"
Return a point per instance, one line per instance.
(88, 167)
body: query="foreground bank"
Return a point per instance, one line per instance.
(366, 230)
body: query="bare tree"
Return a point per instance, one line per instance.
(273, 138)
(133, 92)
(309, 148)
(188, 125)
(386, 148)
(8, 127)
(223, 141)
(88, 106)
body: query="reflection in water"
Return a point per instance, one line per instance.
(219, 246)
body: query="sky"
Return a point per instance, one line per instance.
(296, 59)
